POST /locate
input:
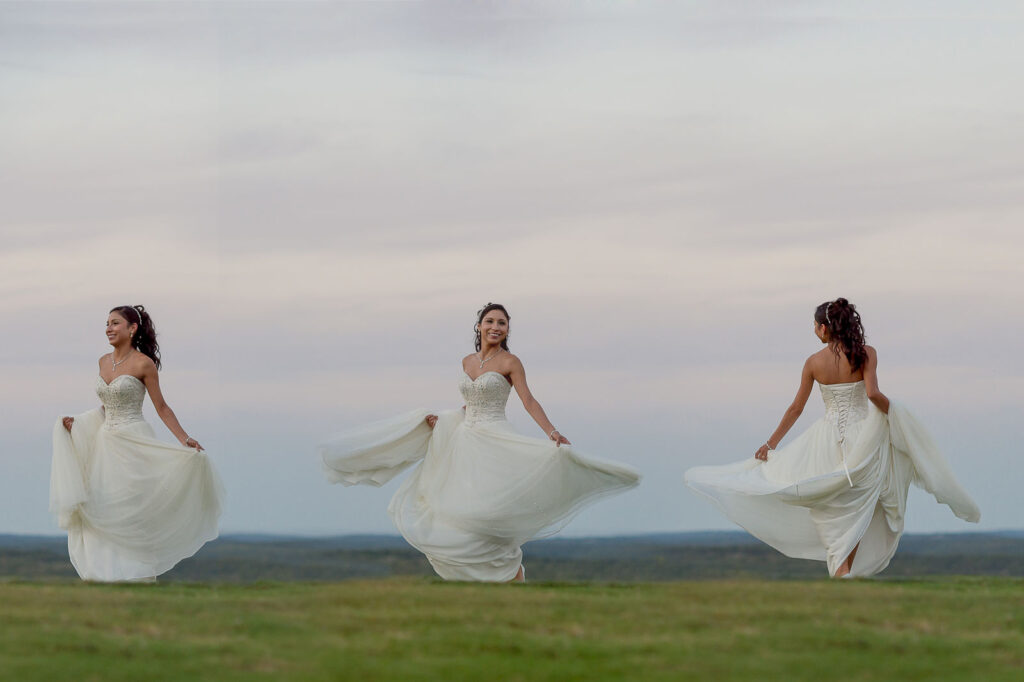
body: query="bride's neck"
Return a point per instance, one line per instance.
(121, 349)
(488, 348)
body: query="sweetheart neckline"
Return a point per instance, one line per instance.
(108, 383)
(490, 371)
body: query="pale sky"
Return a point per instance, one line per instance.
(314, 199)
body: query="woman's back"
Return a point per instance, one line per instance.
(829, 367)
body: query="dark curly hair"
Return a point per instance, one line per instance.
(845, 330)
(480, 318)
(144, 339)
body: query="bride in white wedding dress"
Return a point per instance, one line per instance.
(133, 506)
(482, 489)
(837, 493)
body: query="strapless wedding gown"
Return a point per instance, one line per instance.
(841, 483)
(133, 506)
(481, 490)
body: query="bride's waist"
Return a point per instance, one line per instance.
(481, 417)
(848, 416)
(114, 419)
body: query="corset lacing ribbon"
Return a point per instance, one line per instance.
(842, 452)
(841, 411)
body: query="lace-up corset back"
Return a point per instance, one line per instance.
(845, 404)
(485, 397)
(122, 400)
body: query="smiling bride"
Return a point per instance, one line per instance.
(133, 506)
(482, 489)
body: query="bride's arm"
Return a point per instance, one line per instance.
(518, 376)
(152, 381)
(871, 381)
(792, 413)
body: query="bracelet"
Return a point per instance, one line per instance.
(769, 446)
(553, 432)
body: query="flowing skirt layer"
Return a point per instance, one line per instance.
(133, 506)
(819, 497)
(479, 492)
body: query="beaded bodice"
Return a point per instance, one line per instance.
(122, 400)
(485, 397)
(845, 404)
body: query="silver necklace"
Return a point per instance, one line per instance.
(115, 364)
(484, 361)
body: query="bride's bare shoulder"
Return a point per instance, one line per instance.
(144, 363)
(817, 363)
(819, 356)
(511, 362)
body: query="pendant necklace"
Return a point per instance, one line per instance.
(484, 361)
(115, 364)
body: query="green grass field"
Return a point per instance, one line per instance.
(419, 629)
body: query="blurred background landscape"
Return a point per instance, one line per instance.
(634, 558)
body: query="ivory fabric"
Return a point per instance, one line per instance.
(481, 489)
(840, 484)
(133, 505)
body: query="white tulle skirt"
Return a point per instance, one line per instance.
(133, 506)
(480, 492)
(817, 498)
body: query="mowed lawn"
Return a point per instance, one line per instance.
(416, 629)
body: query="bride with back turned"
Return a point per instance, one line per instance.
(838, 492)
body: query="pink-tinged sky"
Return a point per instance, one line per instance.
(314, 199)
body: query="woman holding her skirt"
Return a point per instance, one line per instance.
(838, 492)
(481, 489)
(133, 506)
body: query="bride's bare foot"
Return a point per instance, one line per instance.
(520, 575)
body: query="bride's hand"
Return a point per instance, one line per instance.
(762, 453)
(68, 421)
(431, 420)
(192, 443)
(558, 438)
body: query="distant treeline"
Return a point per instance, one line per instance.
(682, 556)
